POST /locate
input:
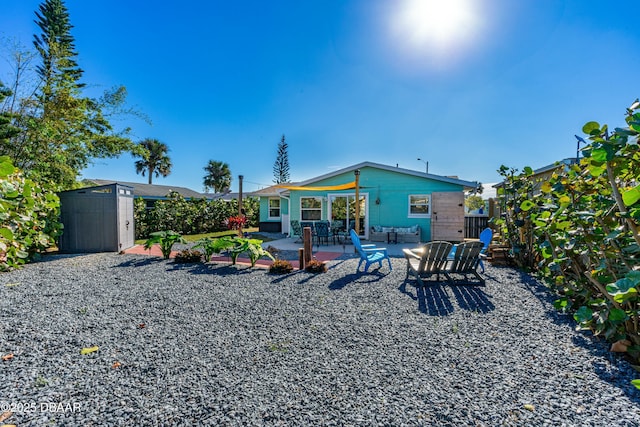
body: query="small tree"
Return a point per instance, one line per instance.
(281, 166)
(154, 159)
(61, 130)
(473, 202)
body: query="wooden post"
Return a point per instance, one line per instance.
(307, 246)
(240, 178)
(240, 210)
(301, 258)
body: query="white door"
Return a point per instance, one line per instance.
(284, 218)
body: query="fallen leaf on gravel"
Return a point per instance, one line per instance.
(10, 285)
(529, 407)
(7, 357)
(88, 350)
(141, 326)
(5, 415)
(620, 346)
(116, 364)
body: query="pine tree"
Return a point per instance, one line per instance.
(281, 165)
(7, 130)
(59, 70)
(62, 131)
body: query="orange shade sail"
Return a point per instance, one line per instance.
(347, 186)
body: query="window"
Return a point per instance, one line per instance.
(419, 205)
(274, 208)
(310, 209)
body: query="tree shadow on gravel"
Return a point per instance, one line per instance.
(211, 268)
(612, 368)
(279, 278)
(141, 262)
(224, 269)
(432, 299)
(56, 257)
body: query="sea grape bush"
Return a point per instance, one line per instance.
(193, 216)
(579, 230)
(29, 217)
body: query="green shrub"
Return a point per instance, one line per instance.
(579, 231)
(29, 217)
(165, 239)
(239, 245)
(208, 246)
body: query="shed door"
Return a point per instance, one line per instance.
(447, 217)
(125, 223)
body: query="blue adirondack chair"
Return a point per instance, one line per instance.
(485, 237)
(369, 254)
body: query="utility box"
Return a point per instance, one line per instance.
(97, 219)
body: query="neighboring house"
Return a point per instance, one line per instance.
(538, 177)
(543, 174)
(150, 193)
(389, 197)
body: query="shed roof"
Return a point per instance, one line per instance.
(154, 191)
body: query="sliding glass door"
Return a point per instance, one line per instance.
(342, 207)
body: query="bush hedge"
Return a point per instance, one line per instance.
(29, 217)
(579, 231)
(193, 216)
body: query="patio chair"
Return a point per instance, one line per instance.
(304, 224)
(485, 237)
(428, 260)
(369, 254)
(322, 232)
(464, 263)
(297, 229)
(338, 232)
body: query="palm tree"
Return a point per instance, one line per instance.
(154, 159)
(218, 176)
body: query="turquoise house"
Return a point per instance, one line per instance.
(390, 197)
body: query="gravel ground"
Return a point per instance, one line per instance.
(228, 345)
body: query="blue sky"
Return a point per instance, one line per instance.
(467, 88)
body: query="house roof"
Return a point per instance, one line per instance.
(275, 191)
(450, 180)
(564, 162)
(154, 191)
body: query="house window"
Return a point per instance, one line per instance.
(310, 209)
(274, 208)
(419, 205)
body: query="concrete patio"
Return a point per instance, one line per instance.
(293, 244)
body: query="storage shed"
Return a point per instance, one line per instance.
(97, 219)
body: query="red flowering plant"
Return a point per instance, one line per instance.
(236, 223)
